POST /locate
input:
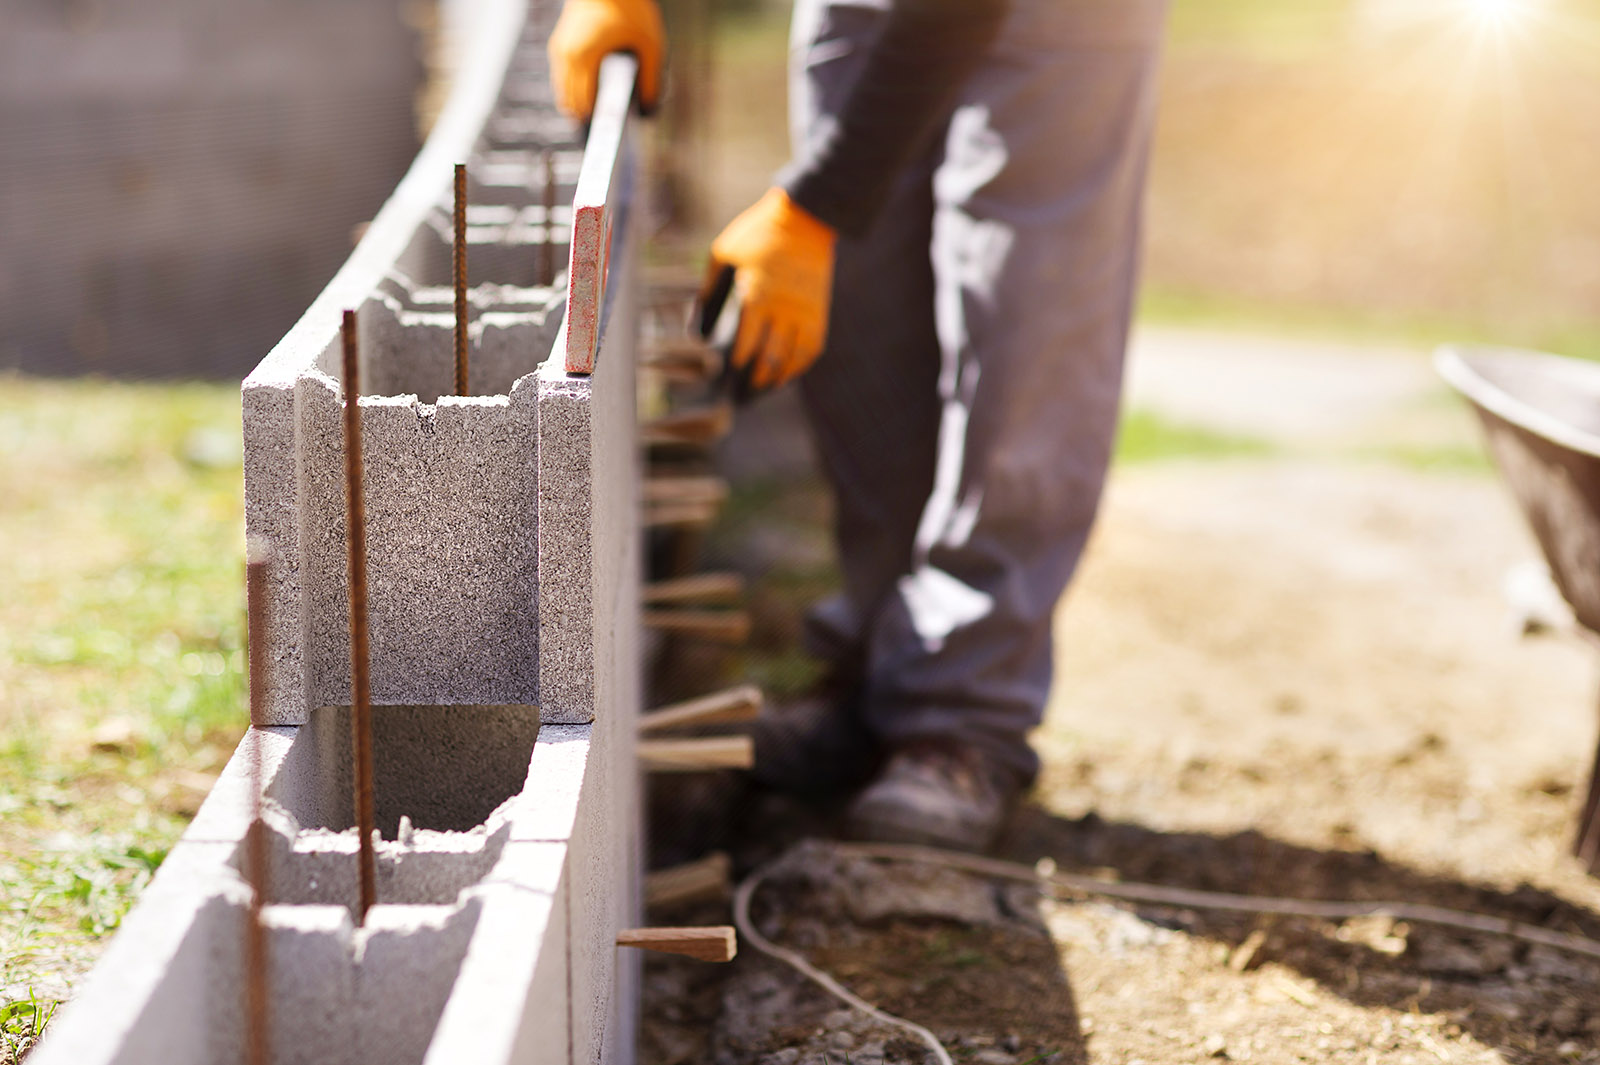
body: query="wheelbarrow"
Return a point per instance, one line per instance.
(1541, 419)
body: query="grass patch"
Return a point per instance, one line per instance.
(1432, 459)
(22, 1022)
(1144, 436)
(1264, 25)
(1160, 305)
(121, 656)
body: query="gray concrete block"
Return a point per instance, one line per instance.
(503, 550)
(408, 337)
(453, 562)
(444, 768)
(511, 1005)
(169, 193)
(409, 963)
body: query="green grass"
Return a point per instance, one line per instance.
(22, 1022)
(1161, 305)
(1148, 437)
(121, 656)
(1263, 25)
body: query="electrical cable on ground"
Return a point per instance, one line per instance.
(1046, 879)
(748, 933)
(1187, 898)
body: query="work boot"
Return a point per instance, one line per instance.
(938, 794)
(816, 748)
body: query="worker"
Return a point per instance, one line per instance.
(948, 267)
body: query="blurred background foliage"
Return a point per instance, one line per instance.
(1411, 169)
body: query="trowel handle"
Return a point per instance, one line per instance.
(715, 298)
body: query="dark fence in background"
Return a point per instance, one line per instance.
(179, 178)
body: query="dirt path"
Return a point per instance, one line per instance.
(1294, 675)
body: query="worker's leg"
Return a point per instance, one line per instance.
(1034, 258)
(873, 404)
(872, 397)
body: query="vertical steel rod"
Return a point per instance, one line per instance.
(460, 278)
(547, 250)
(257, 1039)
(360, 689)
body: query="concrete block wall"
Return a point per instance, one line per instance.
(503, 547)
(181, 177)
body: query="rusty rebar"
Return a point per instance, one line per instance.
(257, 1015)
(360, 689)
(547, 249)
(459, 277)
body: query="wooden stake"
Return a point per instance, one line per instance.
(735, 704)
(671, 287)
(459, 276)
(360, 688)
(699, 588)
(703, 880)
(701, 425)
(712, 491)
(718, 626)
(719, 943)
(697, 755)
(680, 514)
(683, 361)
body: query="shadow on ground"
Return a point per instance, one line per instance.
(986, 968)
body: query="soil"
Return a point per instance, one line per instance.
(1293, 676)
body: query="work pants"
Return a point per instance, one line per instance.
(965, 405)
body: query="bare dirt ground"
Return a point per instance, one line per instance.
(1293, 675)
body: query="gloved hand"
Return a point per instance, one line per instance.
(782, 257)
(590, 30)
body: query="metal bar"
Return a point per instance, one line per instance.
(360, 688)
(257, 1016)
(547, 250)
(596, 204)
(459, 276)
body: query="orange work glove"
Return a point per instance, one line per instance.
(782, 257)
(590, 30)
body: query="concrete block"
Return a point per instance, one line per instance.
(503, 549)
(452, 562)
(588, 530)
(444, 769)
(512, 1005)
(407, 337)
(559, 761)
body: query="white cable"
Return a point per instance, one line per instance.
(747, 932)
(1187, 898)
(1418, 913)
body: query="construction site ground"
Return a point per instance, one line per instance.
(1288, 667)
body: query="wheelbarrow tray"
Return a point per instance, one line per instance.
(1541, 419)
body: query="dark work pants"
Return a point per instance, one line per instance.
(965, 406)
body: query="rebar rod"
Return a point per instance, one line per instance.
(459, 277)
(360, 688)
